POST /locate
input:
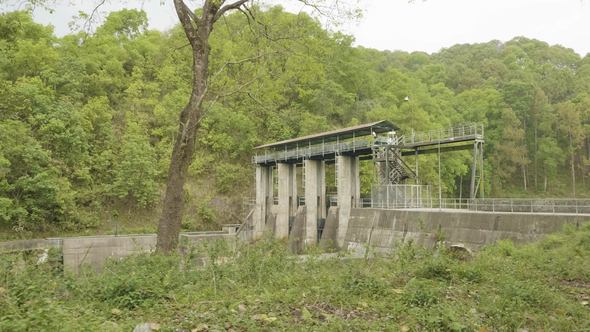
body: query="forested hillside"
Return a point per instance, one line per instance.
(87, 120)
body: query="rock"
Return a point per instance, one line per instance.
(201, 328)
(460, 252)
(43, 257)
(146, 327)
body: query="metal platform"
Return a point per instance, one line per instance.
(295, 151)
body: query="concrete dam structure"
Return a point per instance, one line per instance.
(292, 202)
(400, 209)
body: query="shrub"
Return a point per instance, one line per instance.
(421, 293)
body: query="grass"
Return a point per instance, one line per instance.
(542, 286)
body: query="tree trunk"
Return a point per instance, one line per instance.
(545, 183)
(573, 167)
(535, 156)
(524, 177)
(184, 146)
(172, 211)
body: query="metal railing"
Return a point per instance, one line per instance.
(512, 205)
(523, 205)
(400, 196)
(426, 201)
(471, 130)
(306, 152)
(466, 131)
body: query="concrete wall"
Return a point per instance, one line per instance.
(25, 245)
(315, 198)
(287, 193)
(95, 250)
(264, 199)
(329, 237)
(348, 183)
(384, 229)
(298, 231)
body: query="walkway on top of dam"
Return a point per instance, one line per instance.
(360, 140)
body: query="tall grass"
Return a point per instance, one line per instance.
(542, 286)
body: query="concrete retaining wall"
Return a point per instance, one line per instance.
(95, 250)
(329, 238)
(297, 235)
(25, 245)
(385, 229)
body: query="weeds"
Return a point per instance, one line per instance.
(542, 286)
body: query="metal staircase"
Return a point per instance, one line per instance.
(387, 155)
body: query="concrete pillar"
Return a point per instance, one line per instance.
(323, 213)
(264, 199)
(315, 198)
(348, 192)
(287, 198)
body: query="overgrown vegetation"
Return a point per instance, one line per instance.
(87, 121)
(542, 286)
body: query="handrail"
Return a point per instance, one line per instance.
(472, 130)
(455, 132)
(422, 200)
(314, 150)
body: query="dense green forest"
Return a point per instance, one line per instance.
(87, 120)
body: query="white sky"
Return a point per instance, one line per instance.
(417, 26)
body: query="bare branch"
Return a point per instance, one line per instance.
(224, 9)
(90, 18)
(261, 104)
(190, 13)
(185, 16)
(181, 47)
(314, 6)
(237, 62)
(233, 92)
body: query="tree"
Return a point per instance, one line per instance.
(570, 128)
(197, 27)
(135, 171)
(198, 30)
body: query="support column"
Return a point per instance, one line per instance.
(323, 212)
(315, 196)
(472, 192)
(287, 198)
(264, 199)
(356, 189)
(348, 192)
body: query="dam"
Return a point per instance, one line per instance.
(292, 203)
(400, 208)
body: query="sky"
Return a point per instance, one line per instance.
(411, 26)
